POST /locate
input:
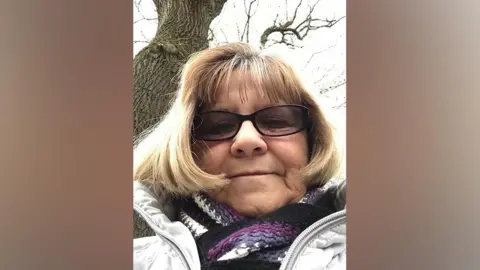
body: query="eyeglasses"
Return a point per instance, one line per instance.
(273, 121)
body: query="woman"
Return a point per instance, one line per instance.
(238, 173)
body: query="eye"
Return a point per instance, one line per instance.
(275, 122)
(218, 128)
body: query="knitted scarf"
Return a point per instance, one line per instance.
(227, 240)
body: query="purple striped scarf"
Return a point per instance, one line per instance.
(222, 234)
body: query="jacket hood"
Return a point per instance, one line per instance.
(144, 197)
(159, 209)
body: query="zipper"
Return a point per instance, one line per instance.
(306, 236)
(159, 232)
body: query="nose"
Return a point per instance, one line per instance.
(248, 142)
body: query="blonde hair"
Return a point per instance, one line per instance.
(163, 156)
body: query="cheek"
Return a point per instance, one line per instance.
(294, 152)
(211, 157)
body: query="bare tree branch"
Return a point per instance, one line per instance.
(238, 32)
(275, 20)
(143, 18)
(318, 52)
(286, 39)
(137, 5)
(143, 35)
(324, 74)
(341, 105)
(224, 35)
(295, 13)
(332, 87)
(300, 30)
(248, 12)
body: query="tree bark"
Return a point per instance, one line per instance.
(182, 30)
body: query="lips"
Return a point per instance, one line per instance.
(250, 174)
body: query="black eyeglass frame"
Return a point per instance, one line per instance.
(251, 118)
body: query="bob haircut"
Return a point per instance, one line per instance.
(163, 155)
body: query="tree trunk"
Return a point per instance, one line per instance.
(182, 30)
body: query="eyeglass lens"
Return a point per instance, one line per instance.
(272, 121)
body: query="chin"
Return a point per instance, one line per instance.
(254, 204)
(254, 196)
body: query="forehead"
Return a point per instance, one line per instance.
(242, 88)
(254, 87)
(242, 101)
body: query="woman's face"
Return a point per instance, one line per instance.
(263, 170)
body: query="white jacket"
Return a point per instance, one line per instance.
(321, 246)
